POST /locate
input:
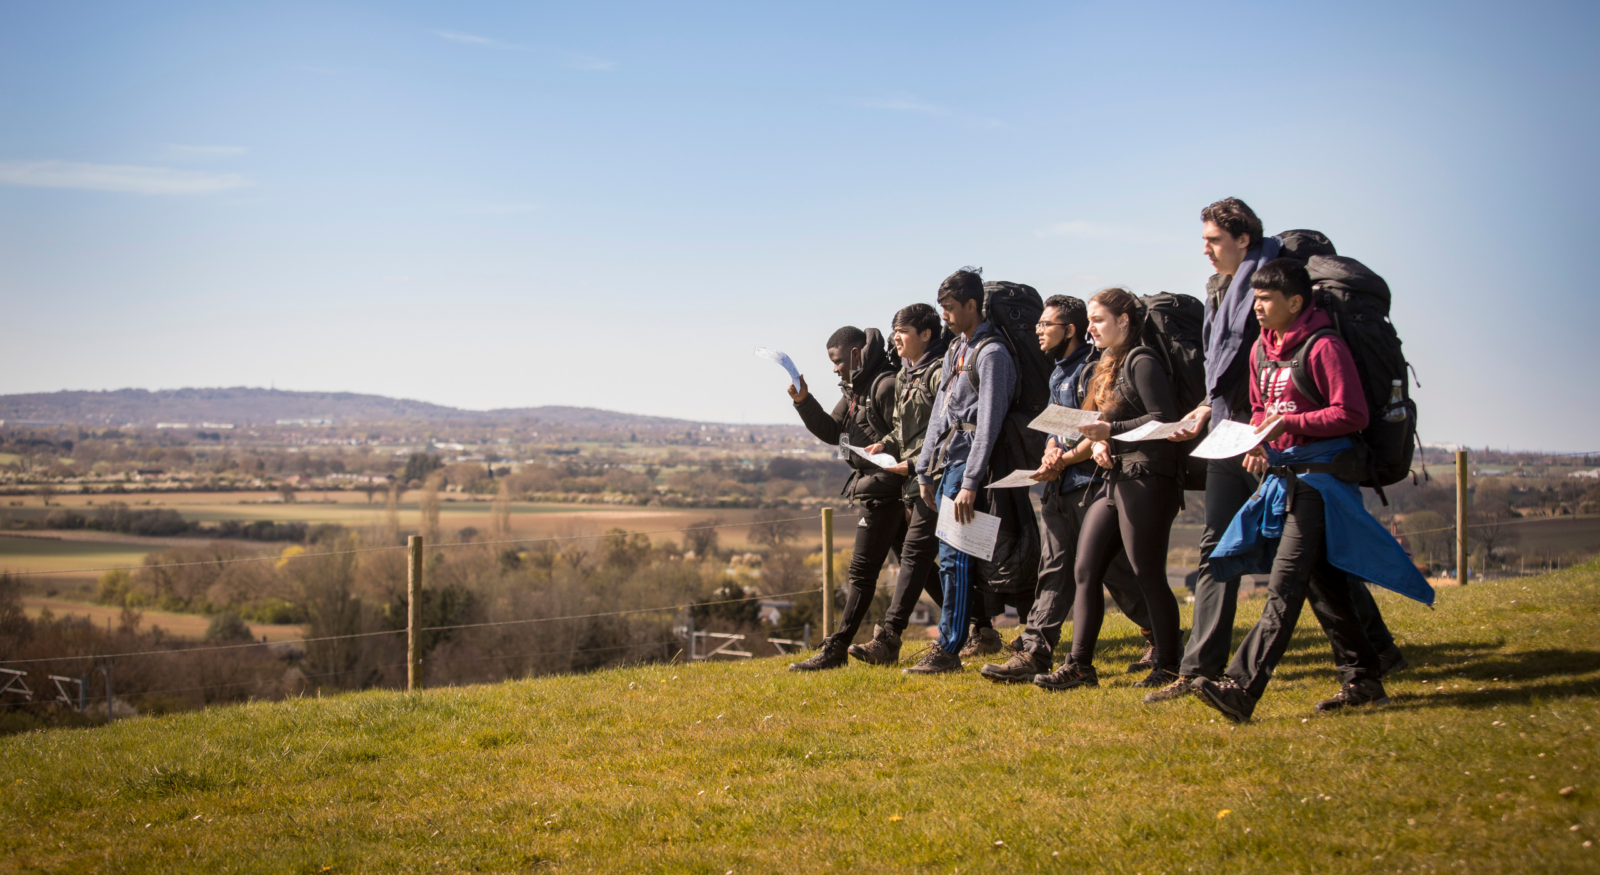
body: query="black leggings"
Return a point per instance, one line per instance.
(1139, 521)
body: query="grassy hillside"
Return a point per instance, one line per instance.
(748, 768)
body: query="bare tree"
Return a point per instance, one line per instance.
(701, 538)
(430, 508)
(774, 528)
(45, 491)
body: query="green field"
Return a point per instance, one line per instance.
(1486, 762)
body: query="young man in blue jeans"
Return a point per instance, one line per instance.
(962, 432)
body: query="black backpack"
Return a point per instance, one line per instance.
(1173, 328)
(1357, 299)
(1014, 310)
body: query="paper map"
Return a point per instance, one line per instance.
(975, 538)
(1017, 478)
(782, 360)
(1063, 420)
(1227, 439)
(1155, 431)
(882, 460)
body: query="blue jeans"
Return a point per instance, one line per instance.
(954, 573)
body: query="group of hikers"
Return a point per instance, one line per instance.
(1290, 339)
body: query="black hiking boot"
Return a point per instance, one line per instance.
(985, 643)
(1226, 696)
(934, 660)
(1176, 690)
(1391, 661)
(883, 649)
(1156, 679)
(1145, 662)
(1019, 669)
(1068, 677)
(1362, 692)
(832, 655)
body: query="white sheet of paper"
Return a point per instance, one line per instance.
(1156, 431)
(1226, 440)
(782, 360)
(882, 460)
(976, 538)
(1019, 477)
(1057, 419)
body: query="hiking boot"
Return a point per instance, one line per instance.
(985, 643)
(832, 655)
(1145, 662)
(1156, 679)
(883, 649)
(1226, 696)
(1391, 661)
(1020, 668)
(1015, 645)
(1067, 677)
(934, 660)
(1176, 690)
(1362, 692)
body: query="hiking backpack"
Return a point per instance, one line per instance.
(1013, 309)
(1357, 300)
(1173, 328)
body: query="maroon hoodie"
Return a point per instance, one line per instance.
(1333, 371)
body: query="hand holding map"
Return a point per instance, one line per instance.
(882, 460)
(976, 538)
(781, 359)
(1156, 431)
(1227, 439)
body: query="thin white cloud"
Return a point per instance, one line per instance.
(917, 107)
(1088, 231)
(475, 40)
(589, 62)
(903, 105)
(499, 209)
(116, 177)
(204, 153)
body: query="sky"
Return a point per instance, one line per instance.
(610, 205)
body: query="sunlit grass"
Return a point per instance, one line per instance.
(749, 768)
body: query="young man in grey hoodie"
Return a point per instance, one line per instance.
(962, 432)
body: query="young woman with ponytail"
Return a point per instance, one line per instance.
(1135, 496)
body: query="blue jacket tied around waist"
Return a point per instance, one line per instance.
(1357, 543)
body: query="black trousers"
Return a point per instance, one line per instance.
(1138, 521)
(1228, 487)
(881, 528)
(984, 605)
(919, 567)
(1302, 570)
(1062, 517)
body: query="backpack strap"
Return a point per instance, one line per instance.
(970, 365)
(874, 415)
(1296, 363)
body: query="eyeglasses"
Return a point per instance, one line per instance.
(1048, 324)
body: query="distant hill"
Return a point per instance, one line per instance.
(243, 405)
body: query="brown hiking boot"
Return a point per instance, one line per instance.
(1363, 692)
(1068, 677)
(1019, 669)
(1145, 662)
(883, 649)
(831, 655)
(934, 660)
(985, 643)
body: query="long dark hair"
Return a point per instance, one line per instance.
(1102, 386)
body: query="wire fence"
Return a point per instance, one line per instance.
(309, 554)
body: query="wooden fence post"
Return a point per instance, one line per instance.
(1461, 517)
(827, 569)
(413, 591)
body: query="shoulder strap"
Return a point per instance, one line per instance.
(970, 365)
(1296, 363)
(874, 415)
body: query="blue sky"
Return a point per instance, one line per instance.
(609, 205)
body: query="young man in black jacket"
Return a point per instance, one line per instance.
(864, 416)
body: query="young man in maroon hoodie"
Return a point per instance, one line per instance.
(1301, 568)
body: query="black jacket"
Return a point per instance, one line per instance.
(865, 414)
